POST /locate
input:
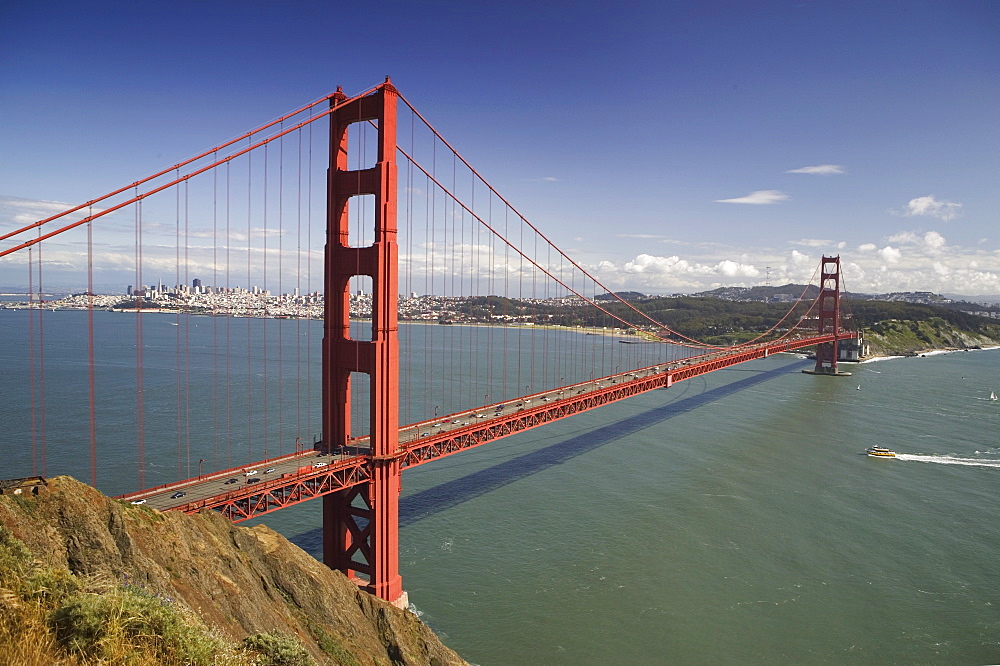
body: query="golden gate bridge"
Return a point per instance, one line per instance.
(358, 204)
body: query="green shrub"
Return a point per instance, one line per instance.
(120, 622)
(21, 573)
(15, 558)
(278, 650)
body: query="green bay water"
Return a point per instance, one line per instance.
(730, 518)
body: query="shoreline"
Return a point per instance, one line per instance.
(923, 353)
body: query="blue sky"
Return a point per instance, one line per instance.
(671, 146)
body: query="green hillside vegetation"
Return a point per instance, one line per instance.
(895, 325)
(51, 616)
(894, 336)
(893, 328)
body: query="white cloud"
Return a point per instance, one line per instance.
(931, 242)
(820, 170)
(904, 261)
(905, 238)
(943, 210)
(758, 197)
(812, 242)
(890, 255)
(800, 266)
(15, 211)
(733, 269)
(647, 263)
(934, 241)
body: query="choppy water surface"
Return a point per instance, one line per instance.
(729, 519)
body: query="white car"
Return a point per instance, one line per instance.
(142, 501)
(250, 473)
(319, 464)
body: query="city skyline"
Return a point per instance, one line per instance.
(668, 148)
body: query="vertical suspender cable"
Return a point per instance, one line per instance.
(229, 319)
(90, 352)
(139, 391)
(506, 301)
(179, 288)
(309, 271)
(31, 360)
(298, 292)
(497, 395)
(264, 296)
(215, 320)
(187, 335)
(41, 357)
(520, 295)
(428, 368)
(281, 295)
(249, 378)
(407, 337)
(433, 263)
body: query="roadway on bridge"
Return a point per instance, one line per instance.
(244, 481)
(174, 495)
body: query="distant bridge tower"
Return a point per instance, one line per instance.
(829, 316)
(363, 520)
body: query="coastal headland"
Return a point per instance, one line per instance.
(88, 579)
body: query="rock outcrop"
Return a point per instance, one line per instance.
(240, 580)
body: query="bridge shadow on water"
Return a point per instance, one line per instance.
(418, 506)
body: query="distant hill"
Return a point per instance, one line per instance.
(993, 300)
(785, 293)
(624, 295)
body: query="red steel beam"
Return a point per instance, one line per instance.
(342, 476)
(257, 499)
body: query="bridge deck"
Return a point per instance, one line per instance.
(258, 488)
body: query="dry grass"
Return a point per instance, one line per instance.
(48, 616)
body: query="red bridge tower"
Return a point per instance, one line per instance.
(363, 520)
(829, 316)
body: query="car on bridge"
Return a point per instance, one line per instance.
(230, 481)
(250, 472)
(268, 470)
(139, 501)
(319, 464)
(179, 494)
(249, 481)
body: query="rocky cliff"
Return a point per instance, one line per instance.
(240, 581)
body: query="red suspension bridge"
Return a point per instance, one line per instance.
(283, 413)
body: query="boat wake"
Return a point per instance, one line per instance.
(948, 460)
